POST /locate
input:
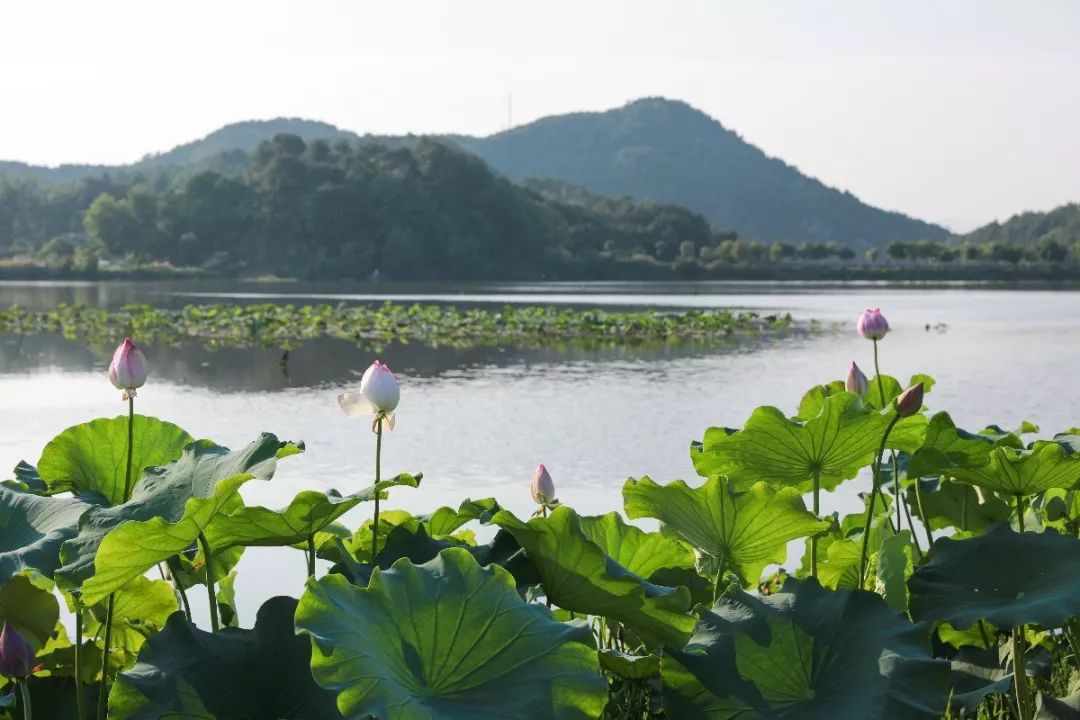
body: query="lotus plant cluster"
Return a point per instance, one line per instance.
(952, 592)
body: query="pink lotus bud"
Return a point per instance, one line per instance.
(378, 397)
(543, 489)
(127, 370)
(16, 655)
(856, 381)
(910, 401)
(873, 325)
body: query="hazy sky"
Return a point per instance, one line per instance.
(959, 112)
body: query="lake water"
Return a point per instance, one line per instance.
(477, 421)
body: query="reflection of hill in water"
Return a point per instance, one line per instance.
(319, 362)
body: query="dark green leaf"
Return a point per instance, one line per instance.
(32, 610)
(1003, 577)
(230, 675)
(32, 530)
(446, 639)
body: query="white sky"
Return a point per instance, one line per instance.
(958, 112)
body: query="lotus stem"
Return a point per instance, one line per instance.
(720, 563)
(1020, 511)
(311, 556)
(873, 493)
(103, 695)
(817, 511)
(24, 690)
(211, 594)
(1020, 680)
(103, 690)
(881, 391)
(378, 477)
(80, 709)
(911, 525)
(925, 521)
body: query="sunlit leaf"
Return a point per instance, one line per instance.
(631, 667)
(171, 505)
(835, 444)
(307, 513)
(92, 457)
(577, 575)
(953, 504)
(466, 647)
(743, 530)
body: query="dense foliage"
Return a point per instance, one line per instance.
(953, 594)
(1032, 229)
(339, 211)
(287, 325)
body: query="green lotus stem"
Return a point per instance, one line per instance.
(881, 391)
(1020, 511)
(130, 447)
(103, 689)
(911, 525)
(378, 476)
(211, 594)
(311, 556)
(922, 515)
(899, 500)
(183, 599)
(1020, 680)
(720, 563)
(873, 493)
(24, 690)
(817, 511)
(80, 709)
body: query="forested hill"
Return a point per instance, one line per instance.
(1029, 229)
(339, 210)
(669, 151)
(650, 149)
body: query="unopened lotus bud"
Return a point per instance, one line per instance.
(543, 488)
(856, 380)
(127, 370)
(872, 324)
(910, 401)
(16, 655)
(378, 397)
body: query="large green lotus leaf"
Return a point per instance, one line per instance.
(1003, 577)
(233, 674)
(836, 444)
(1024, 472)
(577, 575)
(952, 504)
(140, 609)
(171, 505)
(31, 609)
(976, 673)
(947, 446)
(93, 456)
(805, 652)
(631, 667)
(642, 553)
(1052, 708)
(446, 639)
(307, 513)
(445, 521)
(744, 530)
(32, 530)
(893, 565)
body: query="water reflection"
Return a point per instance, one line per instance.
(334, 362)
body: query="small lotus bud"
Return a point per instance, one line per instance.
(16, 655)
(872, 324)
(856, 381)
(127, 370)
(910, 401)
(543, 488)
(378, 397)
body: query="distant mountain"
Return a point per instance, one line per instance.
(1061, 224)
(670, 152)
(652, 149)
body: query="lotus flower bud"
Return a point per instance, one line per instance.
(856, 380)
(910, 401)
(378, 397)
(127, 370)
(16, 655)
(873, 325)
(543, 489)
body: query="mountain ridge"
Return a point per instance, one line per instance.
(654, 149)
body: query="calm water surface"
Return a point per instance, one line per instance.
(477, 421)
